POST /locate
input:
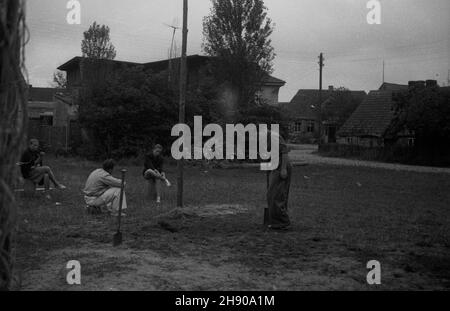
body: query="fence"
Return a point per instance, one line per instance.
(55, 138)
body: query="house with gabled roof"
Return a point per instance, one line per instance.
(369, 125)
(303, 111)
(50, 106)
(386, 86)
(50, 112)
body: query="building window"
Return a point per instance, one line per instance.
(259, 98)
(411, 142)
(310, 128)
(298, 126)
(46, 120)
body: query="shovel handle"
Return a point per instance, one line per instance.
(121, 198)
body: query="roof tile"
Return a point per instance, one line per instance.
(372, 117)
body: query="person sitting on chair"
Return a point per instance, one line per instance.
(154, 174)
(102, 190)
(32, 168)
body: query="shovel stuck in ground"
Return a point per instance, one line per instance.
(117, 238)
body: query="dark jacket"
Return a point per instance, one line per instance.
(28, 160)
(154, 163)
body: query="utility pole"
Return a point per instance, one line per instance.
(321, 64)
(383, 70)
(183, 77)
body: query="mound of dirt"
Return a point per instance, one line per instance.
(203, 211)
(174, 219)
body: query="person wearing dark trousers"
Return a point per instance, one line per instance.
(278, 184)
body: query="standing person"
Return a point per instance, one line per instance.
(279, 181)
(32, 167)
(102, 190)
(154, 174)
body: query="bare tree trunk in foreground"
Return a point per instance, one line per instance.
(13, 118)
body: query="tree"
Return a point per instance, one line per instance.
(96, 43)
(425, 112)
(237, 34)
(59, 80)
(13, 117)
(130, 110)
(265, 114)
(134, 109)
(339, 106)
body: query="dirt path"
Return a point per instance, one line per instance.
(308, 154)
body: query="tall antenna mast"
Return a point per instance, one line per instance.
(383, 70)
(171, 52)
(448, 78)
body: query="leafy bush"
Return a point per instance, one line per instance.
(132, 110)
(425, 111)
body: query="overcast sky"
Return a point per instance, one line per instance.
(413, 38)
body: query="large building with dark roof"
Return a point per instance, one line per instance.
(81, 72)
(303, 111)
(370, 123)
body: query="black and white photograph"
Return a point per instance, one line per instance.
(224, 151)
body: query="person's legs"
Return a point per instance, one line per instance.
(45, 170)
(153, 186)
(46, 182)
(158, 190)
(151, 189)
(165, 180)
(94, 205)
(52, 177)
(111, 198)
(152, 174)
(37, 175)
(277, 200)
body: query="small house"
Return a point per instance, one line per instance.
(50, 112)
(304, 113)
(368, 126)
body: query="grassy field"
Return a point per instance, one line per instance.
(342, 218)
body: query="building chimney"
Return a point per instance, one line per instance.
(431, 83)
(330, 88)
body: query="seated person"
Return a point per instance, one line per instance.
(32, 168)
(102, 190)
(153, 172)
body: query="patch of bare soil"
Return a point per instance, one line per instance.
(209, 210)
(215, 247)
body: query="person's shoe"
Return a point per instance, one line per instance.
(158, 200)
(61, 187)
(279, 227)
